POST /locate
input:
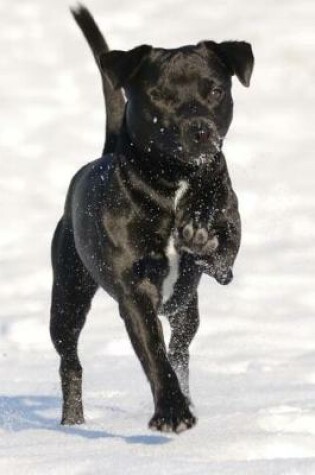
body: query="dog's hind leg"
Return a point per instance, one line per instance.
(184, 326)
(73, 290)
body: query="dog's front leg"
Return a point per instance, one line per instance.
(213, 235)
(171, 409)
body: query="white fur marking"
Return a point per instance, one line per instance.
(183, 187)
(170, 280)
(171, 253)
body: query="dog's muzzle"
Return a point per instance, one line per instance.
(197, 131)
(201, 139)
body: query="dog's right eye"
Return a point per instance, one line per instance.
(216, 93)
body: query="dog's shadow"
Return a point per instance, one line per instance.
(21, 413)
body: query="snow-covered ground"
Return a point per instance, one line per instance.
(253, 361)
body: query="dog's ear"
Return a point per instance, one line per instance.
(237, 56)
(121, 66)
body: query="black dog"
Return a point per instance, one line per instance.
(136, 221)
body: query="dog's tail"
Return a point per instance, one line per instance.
(114, 99)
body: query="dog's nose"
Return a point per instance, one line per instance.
(198, 131)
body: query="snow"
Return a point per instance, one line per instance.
(253, 360)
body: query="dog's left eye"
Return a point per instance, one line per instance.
(216, 93)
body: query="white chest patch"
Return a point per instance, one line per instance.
(183, 187)
(171, 253)
(172, 276)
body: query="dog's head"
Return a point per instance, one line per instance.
(179, 102)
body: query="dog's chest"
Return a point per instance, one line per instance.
(171, 253)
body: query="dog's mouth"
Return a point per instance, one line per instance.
(205, 159)
(196, 161)
(191, 142)
(207, 154)
(191, 145)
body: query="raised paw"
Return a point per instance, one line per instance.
(197, 239)
(224, 277)
(223, 274)
(172, 419)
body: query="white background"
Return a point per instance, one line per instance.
(253, 361)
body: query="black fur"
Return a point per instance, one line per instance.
(165, 186)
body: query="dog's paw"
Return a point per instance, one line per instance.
(222, 274)
(224, 277)
(172, 419)
(196, 238)
(71, 421)
(72, 416)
